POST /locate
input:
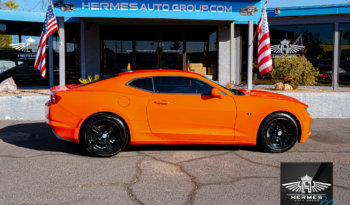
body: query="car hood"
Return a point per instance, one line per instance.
(266, 94)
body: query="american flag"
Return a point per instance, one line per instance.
(264, 49)
(299, 41)
(50, 26)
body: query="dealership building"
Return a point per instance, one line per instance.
(213, 38)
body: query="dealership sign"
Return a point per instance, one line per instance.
(205, 9)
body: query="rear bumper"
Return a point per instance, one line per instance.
(62, 123)
(52, 133)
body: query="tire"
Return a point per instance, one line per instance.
(104, 135)
(278, 133)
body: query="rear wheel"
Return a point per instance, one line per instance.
(104, 135)
(278, 133)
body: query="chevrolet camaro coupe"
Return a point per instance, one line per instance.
(172, 108)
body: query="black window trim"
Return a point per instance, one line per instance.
(128, 84)
(181, 93)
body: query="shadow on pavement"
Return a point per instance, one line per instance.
(36, 136)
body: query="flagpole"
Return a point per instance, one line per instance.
(256, 30)
(59, 36)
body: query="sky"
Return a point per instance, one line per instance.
(31, 5)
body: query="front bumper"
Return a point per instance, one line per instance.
(306, 132)
(53, 133)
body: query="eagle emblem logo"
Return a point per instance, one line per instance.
(285, 47)
(23, 47)
(306, 183)
(19, 46)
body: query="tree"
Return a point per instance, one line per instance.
(11, 5)
(313, 45)
(346, 36)
(176, 46)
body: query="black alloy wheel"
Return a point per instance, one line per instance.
(278, 133)
(104, 135)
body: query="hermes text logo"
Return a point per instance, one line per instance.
(156, 7)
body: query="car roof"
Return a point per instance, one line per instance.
(157, 72)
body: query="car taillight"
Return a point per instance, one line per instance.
(54, 98)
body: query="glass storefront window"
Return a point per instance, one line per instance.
(72, 38)
(116, 48)
(171, 48)
(344, 54)
(201, 50)
(318, 42)
(159, 47)
(18, 47)
(146, 45)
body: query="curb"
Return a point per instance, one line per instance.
(321, 105)
(23, 108)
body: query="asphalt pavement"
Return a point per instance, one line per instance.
(36, 168)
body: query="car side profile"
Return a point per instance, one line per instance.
(172, 108)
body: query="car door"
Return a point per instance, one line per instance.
(183, 108)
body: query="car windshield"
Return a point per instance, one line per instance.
(234, 91)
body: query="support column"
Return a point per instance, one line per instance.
(82, 49)
(62, 53)
(50, 62)
(233, 53)
(224, 49)
(250, 56)
(238, 54)
(335, 84)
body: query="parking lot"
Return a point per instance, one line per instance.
(39, 169)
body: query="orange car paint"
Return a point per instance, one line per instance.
(171, 119)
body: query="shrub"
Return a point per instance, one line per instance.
(294, 71)
(89, 80)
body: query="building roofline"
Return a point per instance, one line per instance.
(310, 7)
(329, 9)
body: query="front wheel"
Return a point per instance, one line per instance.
(104, 135)
(278, 133)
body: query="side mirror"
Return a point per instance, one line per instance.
(216, 93)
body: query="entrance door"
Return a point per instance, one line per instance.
(171, 48)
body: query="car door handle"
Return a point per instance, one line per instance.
(162, 102)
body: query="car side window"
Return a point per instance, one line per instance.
(181, 85)
(142, 83)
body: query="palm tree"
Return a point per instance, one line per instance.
(346, 36)
(11, 5)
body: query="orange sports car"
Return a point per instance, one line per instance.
(172, 107)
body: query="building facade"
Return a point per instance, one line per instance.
(213, 39)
